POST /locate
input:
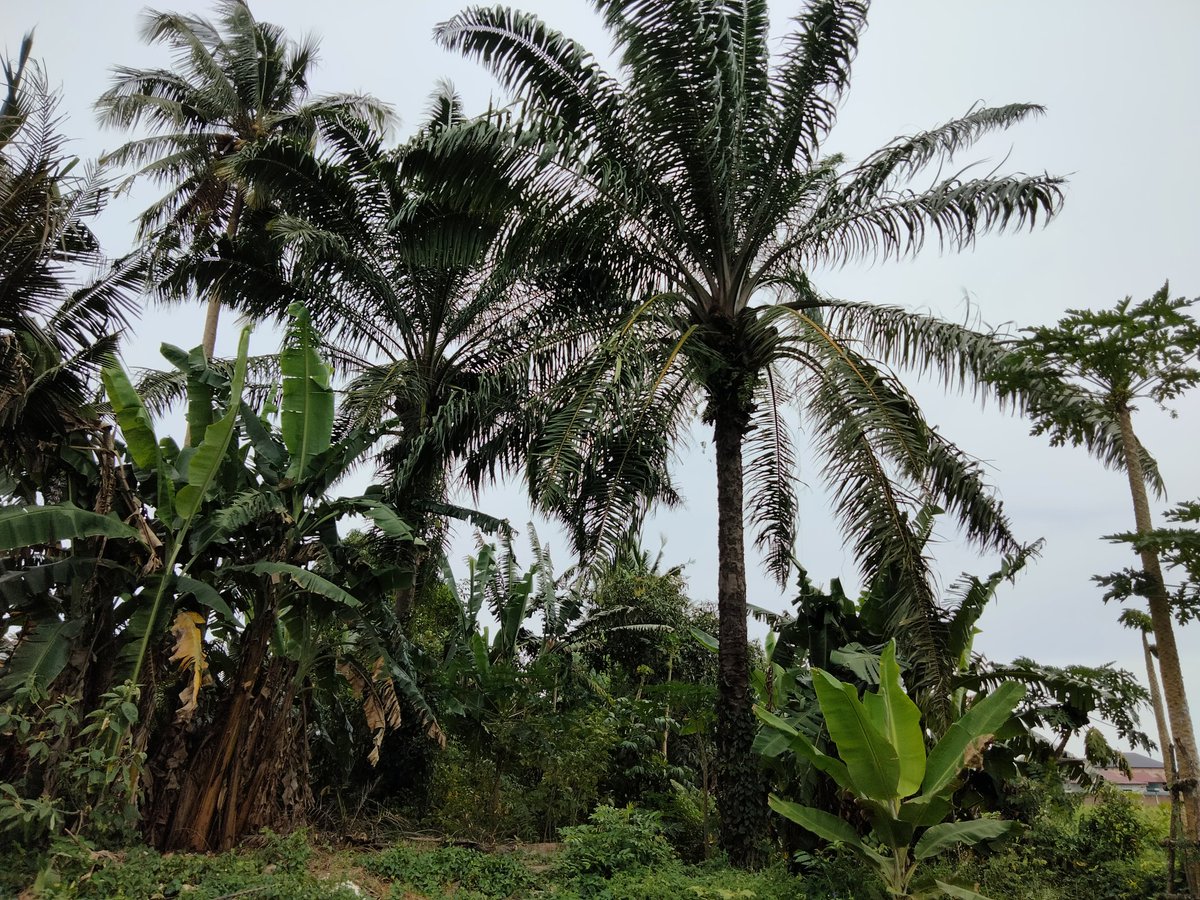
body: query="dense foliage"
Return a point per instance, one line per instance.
(209, 643)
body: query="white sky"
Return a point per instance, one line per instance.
(1123, 123)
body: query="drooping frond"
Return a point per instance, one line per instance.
(904, 157)
(969, 595)
(877, 455)
(895, 224)
(541, 66)
(771, 476)
(603, 444)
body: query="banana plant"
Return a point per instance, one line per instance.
(181, 482)
(882, 762)
(291, 599)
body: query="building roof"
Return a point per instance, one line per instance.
(1138, 761)
(1140, 776)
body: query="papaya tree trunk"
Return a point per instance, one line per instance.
(1174, 692)
(1160, 714)
(741, 797)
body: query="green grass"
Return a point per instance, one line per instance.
(291, 868)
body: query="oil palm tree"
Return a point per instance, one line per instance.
(236, 83)
(403, 281)
(701, 170)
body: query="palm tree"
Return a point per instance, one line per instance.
(407, 296)
(54, 332)
(63, 308)
(701, 172)
(236, 84)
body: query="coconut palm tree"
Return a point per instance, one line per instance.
(236, 83)
(54, 331)
(702, 171)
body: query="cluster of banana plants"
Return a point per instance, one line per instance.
(229, 580)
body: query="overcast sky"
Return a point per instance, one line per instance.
(1123, 123)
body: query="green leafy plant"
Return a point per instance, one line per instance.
(464, 872)
(276, 871)
(883, 763)
(88, 785)
(613, 841)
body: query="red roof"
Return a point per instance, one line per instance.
(1140, 776)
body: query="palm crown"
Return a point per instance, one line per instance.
(236, 84)
(54, 331)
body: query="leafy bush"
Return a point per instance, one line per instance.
(74, 778)
(564, 754)
(1114, 828)
(1107, 851)
(469, 799)
(452, 869)
(833, 874)
(682, 819)
(614, 841)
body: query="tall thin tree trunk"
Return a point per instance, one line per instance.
(741, 797)
(211, 317)
(1160, 714)
(1179, 716)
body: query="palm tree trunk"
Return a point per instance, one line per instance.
(1160, 714)
(213, 314)
(1179, 716)
(741, 797)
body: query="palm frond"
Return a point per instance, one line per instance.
(770, 477)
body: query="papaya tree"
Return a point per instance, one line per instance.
(882, 763)
(1136, 620)
(1101, 364)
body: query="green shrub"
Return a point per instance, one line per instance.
(563, 755)
(1107, 851)
(467, 800)
(452, 869)
(831, 874)
(682, 819)
(1114, 828)
(614, 841)
(78, 776)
